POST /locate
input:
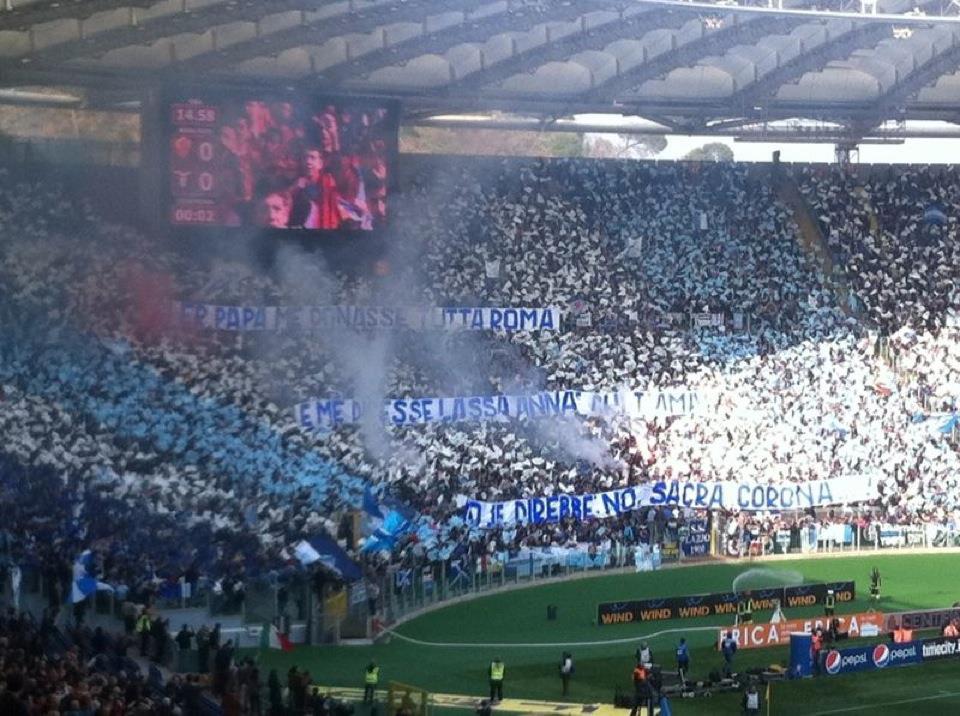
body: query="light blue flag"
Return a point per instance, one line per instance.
(83, 583)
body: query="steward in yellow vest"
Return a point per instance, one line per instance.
(497, 670)
(371, 678)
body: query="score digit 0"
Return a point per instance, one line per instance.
(205, 150)
(205, 180)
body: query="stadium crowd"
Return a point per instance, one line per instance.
(891, 230)
(41, 675)
(188, 440)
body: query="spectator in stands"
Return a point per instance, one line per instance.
(222, 662)
(10, 700)
(184, 638)
(203, 649)
(99, 420)
(275, 693)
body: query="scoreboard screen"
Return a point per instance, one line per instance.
(249, 159)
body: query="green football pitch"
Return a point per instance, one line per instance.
(464, 637)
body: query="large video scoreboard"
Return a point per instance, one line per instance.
(277, 161)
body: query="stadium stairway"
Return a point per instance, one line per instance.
(812, 240)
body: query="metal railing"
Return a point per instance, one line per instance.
(405, 591)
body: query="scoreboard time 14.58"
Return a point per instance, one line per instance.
(196, 156)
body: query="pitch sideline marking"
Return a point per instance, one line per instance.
(547, 645)
(851, 709)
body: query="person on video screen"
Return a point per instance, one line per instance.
(278, 158)
(352, 130)
(229, 196)
(373, 172)
(351, 196)
(315, 193)
(237, 139)
(329, 129)
(273, 208)
(285, 118)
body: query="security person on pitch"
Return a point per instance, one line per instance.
(641, 689)
(875, 583)
(371, 678)
(829, 602)
(729, 648)
(683, 659)
(751, 701)
(566, 671)
(497, 670)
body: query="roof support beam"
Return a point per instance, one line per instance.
(196, 21)
(560, 50)
(22, 17)
(618, 89)
(316, 33)
(520, 18)
(754, 97)
(893, 101)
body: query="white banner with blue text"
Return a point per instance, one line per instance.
(734, 496)
(317, 318)
(332, 412)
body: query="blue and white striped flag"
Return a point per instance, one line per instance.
(83, 583)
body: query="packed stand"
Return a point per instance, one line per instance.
(893, 231)
(41, 673)
(188, 433)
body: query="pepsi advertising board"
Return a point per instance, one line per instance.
(720, 603)
(869, 658)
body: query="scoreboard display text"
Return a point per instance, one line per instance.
(279, 162)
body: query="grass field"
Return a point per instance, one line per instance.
(515, 620)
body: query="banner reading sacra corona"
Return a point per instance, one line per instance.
(736, 496)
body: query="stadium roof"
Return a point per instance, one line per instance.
(689, 66)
